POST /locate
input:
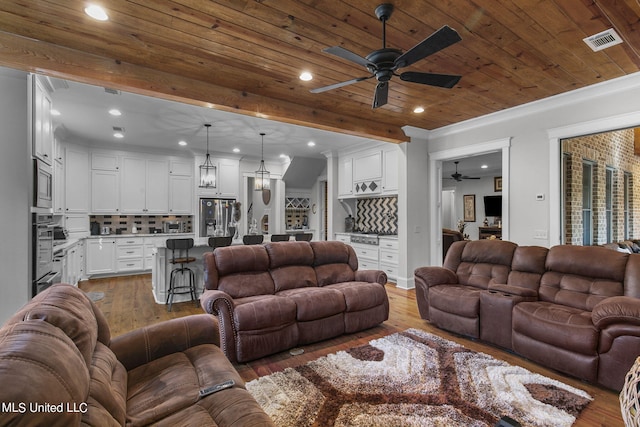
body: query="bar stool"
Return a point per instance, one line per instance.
(180, 255)
(279, 237)
(218, 242)
(252, 239)
(305, 237)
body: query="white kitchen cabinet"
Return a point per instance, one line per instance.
(76, 224)
(150, 245)
(76, 179)
(367, 256)
(388, 249)
(227, 178)
(42, 123)
(72, 264)
(181, 167)
(105, 191)
(105, 161)
(101, 256)
(344, 238)
(58, 187)
(390, 172)
(367, 166)
(144, 186)
(180, 195)
(345, 177)
(129, 254)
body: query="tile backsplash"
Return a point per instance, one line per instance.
(377, 214)
(122, 224)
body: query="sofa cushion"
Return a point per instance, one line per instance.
(485, 262)
(171, 384)
(334, 252)
(557, 325)
(108, 389)
(361, 295)
(315, 303)
(328, 274)
(456, 299)
(263, 312)
(291, 265)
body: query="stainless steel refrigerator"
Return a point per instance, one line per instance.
(216, 215)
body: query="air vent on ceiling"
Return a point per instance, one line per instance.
(603, 40)
(112, 91)
(118, 129)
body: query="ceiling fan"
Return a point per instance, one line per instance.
(459, 177)
(383, 63)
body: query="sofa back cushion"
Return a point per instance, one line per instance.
(335, 262)
(485, 262)
(582, 276)
(632, 276)
(527, 266)
(240, 271)
(291, 265)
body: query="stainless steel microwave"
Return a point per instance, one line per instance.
(43, 184)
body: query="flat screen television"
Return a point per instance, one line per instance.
(492, 205)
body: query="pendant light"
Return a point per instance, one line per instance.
(207, 169)
(262, 179)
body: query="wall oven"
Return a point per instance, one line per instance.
(43, 184)
(43, 271)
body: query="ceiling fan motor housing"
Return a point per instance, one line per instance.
(382, 63)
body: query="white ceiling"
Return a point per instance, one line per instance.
(160, 124)
(154, 123)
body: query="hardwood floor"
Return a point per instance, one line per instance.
(128, 304)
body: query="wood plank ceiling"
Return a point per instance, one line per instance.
(246, 55)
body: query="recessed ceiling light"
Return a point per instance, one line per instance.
(96, 12)
(55, 112)
(305, 76)
(118, 135)
(115, 112)
(311, 144)
(282, 156)
(236, 150)
(418, 110)
(484, 166)
(182, 143)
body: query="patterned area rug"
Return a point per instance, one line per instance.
(414, 378)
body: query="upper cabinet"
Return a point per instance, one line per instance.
(144, 187)
(366, 173)
(76, 179)
(42, 123)
(227, 178)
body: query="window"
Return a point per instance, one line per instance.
(587, 203)
(608, 204)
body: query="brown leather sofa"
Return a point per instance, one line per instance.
(448, 237)
(60, 367)
(273, 297)
(575, 309)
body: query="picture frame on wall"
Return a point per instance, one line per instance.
(497, 183)
(469, 205)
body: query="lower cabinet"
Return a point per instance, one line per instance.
(367, 256)
(389, 257)
(129, 256)
(101, 256)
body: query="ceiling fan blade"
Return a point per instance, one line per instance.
(382, 94)
(431, 79)
(470, 177)
(337, 85)
(348, 55)
(444, 37)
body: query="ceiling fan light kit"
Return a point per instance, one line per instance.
(383, 63)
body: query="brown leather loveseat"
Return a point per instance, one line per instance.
(575, 309)
(273, 297)
(60, 367)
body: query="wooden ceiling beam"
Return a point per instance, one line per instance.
(33, 56)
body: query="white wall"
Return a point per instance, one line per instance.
(531, 166)
(15, 179)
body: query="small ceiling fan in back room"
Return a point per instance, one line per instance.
(383, 63)
(459, 177)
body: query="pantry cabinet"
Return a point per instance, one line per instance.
(42, 123)
(76, 179)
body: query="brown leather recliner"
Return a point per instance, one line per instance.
(60, 367)
(273, 297)
(571, 308)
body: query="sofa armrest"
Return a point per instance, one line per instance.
(431, 276)
(221, 305)
(616, 310)
(514, 290)
(143, 345)
(371, 276)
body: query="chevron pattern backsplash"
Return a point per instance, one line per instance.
(377, 214)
